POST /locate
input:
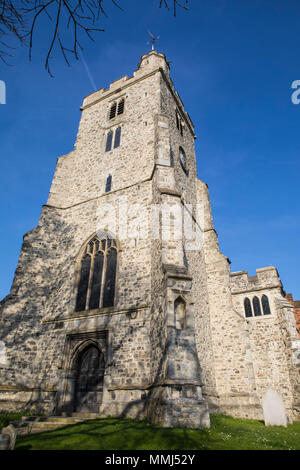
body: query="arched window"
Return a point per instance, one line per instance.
(247, 306)
(109, 141)
(180, 314)
(256, 306)
(108, 184)
(113, 110)
(98, 270)
(121, 106)
(117, 137)
(265, 305)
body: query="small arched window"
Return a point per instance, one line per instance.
(109, 141)
(113, 110)
(247, 307)
(117, 137)
(98, 269)
(108, 184)
(256, 306)
(121, 106)
(265, 305)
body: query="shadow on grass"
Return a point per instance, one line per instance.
(126, 434)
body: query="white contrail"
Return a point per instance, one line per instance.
(88, 71)
(80, 53)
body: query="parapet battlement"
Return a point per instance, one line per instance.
(265, 278)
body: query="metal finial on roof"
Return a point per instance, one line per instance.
(153, 39)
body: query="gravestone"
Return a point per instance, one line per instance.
(8, 437)
(273, 409)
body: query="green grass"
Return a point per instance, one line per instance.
(6, 417)
(126, 434)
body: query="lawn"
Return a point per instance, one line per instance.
(126, 434)
(6, 418)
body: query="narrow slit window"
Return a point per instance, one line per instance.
(177, 121)
(121, 107)
(117, 137)
(108, 184)
(247, 306)
(256, 306)
(113, 110)
(109, 141)
(265, 305)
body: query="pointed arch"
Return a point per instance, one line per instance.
(109, 141)
(248, 308)
(265, 305)
(98, 271)
(256, 306)
(180, 313)
(117, 137)
(90, 365)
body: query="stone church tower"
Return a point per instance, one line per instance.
(122, 303)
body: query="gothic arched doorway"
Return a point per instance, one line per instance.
(89, 380)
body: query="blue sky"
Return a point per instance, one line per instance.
(232, 62)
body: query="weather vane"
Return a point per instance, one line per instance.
(153, 39)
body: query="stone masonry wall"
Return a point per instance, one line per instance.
(296, 307)
(270, 335)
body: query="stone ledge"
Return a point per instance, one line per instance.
(96, 312)
(165, 383)
(235, 291)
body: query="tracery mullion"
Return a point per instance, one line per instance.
(88, 295)
(103, 275)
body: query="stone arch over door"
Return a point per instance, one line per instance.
(74, 367)
(89, 376)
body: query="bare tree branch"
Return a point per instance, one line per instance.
(81, 15)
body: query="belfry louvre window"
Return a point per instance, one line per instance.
(116, 109)
(98, 271)
(113, 110)
(121, 107)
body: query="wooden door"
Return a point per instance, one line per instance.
(89, 380)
